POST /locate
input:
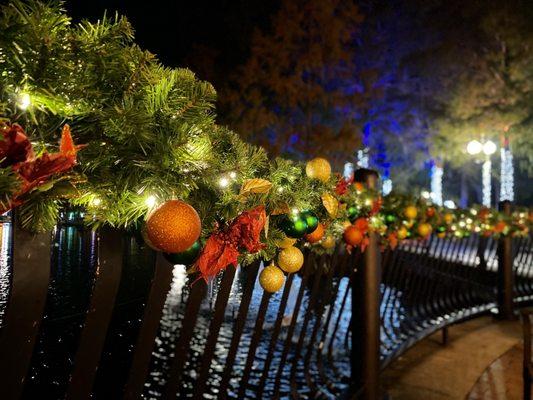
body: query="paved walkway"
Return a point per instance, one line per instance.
(431, 371)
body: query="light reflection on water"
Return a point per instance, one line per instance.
(5, 270)
(171, 324)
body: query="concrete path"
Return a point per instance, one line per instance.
(431, 371)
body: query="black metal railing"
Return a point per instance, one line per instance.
(99, 314)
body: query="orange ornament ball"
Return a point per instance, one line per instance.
(500, 227)
(424, 230)
(353, 236)
(410, 212)
(173, 227)
(316, 235)
(402, 233)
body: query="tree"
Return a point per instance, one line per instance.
(298, 93)
(492, 94)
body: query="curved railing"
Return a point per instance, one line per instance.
(84, 313)
(430, 285)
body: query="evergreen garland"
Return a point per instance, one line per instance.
(150, 132)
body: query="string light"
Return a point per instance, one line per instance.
(96, 201)
(387, 186)
(150, 201)
(507, 175)
(486, 182)
(362, 158)
(436, 184)
(223, 182)
(24, 101)
(233, 175)
(348, 170)
(295, 211)
(449, 204)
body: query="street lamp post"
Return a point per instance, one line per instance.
(488, 148)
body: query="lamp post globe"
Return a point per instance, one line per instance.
(474, 147)
(489, 147)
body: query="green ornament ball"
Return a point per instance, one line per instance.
(441, 229)
(352, 213)
(311, 219)
(294, 226)
(390, 219)
(186, 257)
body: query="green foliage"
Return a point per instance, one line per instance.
(149, 131)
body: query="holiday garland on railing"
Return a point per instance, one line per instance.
(155, 160)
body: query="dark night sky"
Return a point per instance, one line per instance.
(170, 29)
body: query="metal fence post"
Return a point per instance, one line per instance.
(505, 295)
(365, 325)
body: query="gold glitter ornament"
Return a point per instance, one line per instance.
(173, 227)
(328, 242)
(411, 212)
(424, 230)
(290, 259)
(271, 279)
(402, 233)
(318, 168)
(286, 242)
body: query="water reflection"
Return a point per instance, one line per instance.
(5, 259)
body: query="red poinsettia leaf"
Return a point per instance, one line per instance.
(216, 255)
(40, 168)
(15, 146)
(35, 171)
(342, 184)
(222, 248)
(247, 227)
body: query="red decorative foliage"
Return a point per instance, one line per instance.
(222, 247)
(15, 147)
(361, 224)
(376, 205)
(343, 184)
(16, 151)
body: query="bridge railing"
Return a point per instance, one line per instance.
(86, 313)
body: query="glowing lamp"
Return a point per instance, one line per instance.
(474, 147)
(489, 147)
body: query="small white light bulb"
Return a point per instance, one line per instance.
(24, 101)
(150, 201)
(232, 174)
(223, 182)
(96, 202)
